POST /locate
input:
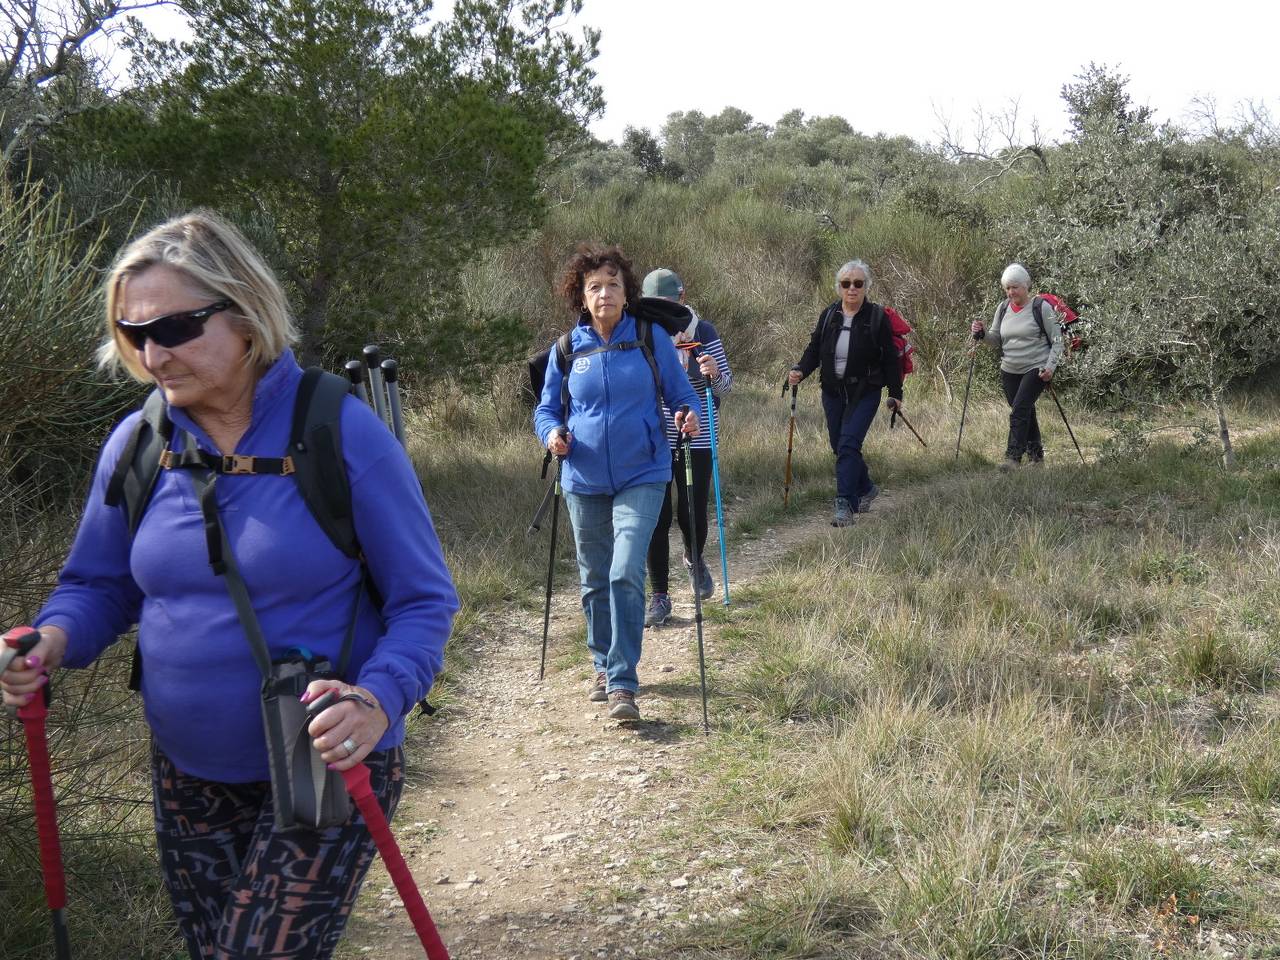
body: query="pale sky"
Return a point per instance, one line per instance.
(894, 66)
(886, 66)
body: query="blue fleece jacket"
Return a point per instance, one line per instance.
(618, 437)
(200, 685)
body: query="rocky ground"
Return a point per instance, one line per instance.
(538, 828)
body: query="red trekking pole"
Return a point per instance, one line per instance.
(357, 781)
(18, 642)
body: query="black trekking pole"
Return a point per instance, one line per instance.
(552, 494)
(1070, 432)
(18, 642)
(373, 360)
(715, 476)
(391, 377)
(695, 569)
(355, 373)
(791, 433)
(897, 412)
(964, 409)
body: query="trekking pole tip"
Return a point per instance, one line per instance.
(372, 355)
(390, 370)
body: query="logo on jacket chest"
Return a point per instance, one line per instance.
(582, 365)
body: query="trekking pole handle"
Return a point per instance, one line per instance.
(18, 642)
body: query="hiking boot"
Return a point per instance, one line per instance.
(706, 585)
(1035, 461)
(657, 612)
(844, 513)
(597, 694)
(864, 502)
(1008, 465)
(622, 706)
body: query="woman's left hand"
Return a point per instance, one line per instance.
(687, 423)
(1046, 375)
(709, 366)
(344, 724)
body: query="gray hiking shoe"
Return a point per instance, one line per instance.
(706, 585)
(844, 513)
(597, 694)
(864, 502)
(622, 706)
(1008, 465)
(657, 612)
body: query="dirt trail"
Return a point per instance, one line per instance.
(527, 808)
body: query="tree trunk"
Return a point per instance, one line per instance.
(312, 320)
(1224, 435)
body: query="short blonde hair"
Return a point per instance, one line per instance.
(218, 260)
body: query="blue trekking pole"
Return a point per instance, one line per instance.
(715, 476)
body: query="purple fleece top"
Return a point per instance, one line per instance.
(200, 685)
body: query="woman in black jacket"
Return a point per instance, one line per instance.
(853, 345)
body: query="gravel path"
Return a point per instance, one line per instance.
(527, 826)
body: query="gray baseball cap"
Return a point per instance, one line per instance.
(662, 283)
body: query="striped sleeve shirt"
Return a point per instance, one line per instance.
(705, 334)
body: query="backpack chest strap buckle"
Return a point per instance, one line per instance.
(238, 464)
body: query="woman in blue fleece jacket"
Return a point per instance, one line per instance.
(617, 461)
(193, 308)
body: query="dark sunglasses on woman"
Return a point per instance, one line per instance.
(856, 284)
(172, 329)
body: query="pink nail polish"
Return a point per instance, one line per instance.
(33, 663)
(331, 766)
(306, 695)
(44, 678)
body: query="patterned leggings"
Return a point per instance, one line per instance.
(241, 890)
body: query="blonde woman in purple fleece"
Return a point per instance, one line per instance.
(192, 308)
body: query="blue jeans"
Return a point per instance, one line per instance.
(846, 429)
(612, 536)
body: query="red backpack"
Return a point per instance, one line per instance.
(901, 330)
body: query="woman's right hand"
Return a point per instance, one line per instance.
(794, 377)
(558, 442)
(26, 675)
(977, 328)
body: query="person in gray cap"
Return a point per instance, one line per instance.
(711, 367)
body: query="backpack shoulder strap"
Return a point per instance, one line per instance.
(1037, 308)
(134, 478)
(563, 351)
(315, 444)
(1004, 308)
(644, 334)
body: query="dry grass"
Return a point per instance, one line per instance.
(1026, 716)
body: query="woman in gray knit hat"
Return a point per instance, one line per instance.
(1025, 331)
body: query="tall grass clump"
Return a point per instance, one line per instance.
(54, 408)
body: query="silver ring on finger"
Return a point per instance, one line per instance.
(350, 746)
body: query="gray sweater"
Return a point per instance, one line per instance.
(1021, 345)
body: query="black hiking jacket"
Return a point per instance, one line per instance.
(873, 359)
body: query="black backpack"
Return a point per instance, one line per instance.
(671, 316)
(314, 460)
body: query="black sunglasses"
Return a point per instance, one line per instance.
(173, 329)
(856, 284)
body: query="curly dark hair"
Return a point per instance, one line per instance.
(588, 258)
